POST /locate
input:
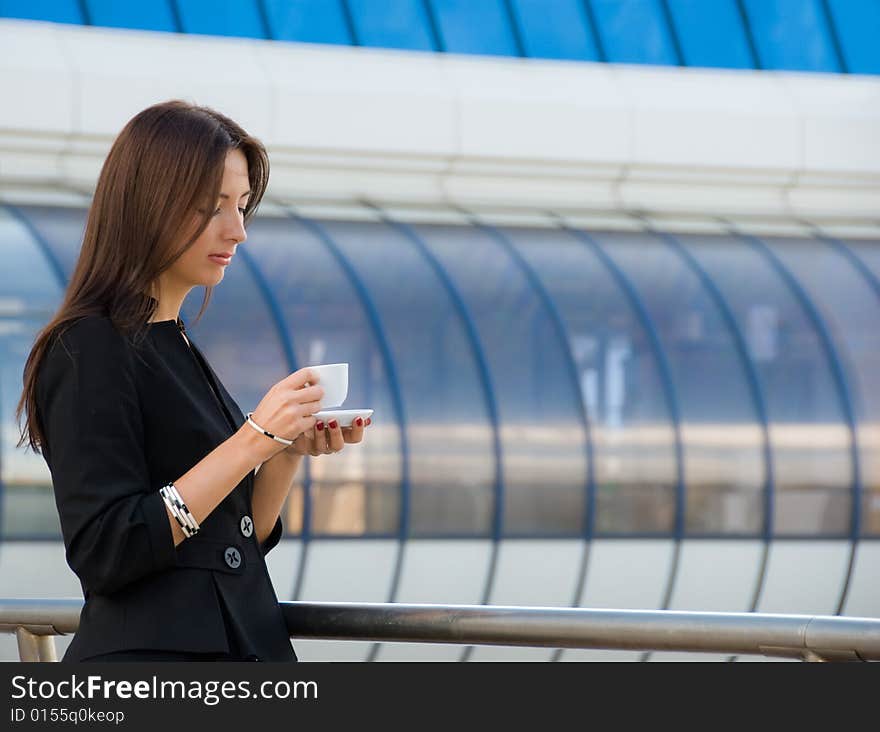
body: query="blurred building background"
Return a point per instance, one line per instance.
(606, 270)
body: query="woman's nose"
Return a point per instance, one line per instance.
(236, 230)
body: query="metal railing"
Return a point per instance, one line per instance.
(807, 637)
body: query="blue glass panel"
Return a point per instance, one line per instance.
(542, 436)
(475, 26)
(309, 21)
(558, 29)
(452, 466)
(62, 229)
(633, 438)
(850, 309)
(791, 35)
(29, 295)
(27, 282)
(144, 14)
(867, 254)
(858, 29)
(634, 32)
(391, 24)
(60, 11)
(221, 17)
(807, 424)
(28, 501)
(723, 442)
(357, 493)
(710, 33)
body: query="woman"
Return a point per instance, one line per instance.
(168, 497)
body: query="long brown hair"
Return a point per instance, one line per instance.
(165, 165)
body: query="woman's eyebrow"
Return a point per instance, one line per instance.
(226, 195)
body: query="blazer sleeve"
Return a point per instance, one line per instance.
(114, 523)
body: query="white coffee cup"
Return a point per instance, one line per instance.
(334, 380)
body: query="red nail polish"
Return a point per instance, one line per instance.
(369, 420)
(333, 424)
(319, 426)
(359, 421)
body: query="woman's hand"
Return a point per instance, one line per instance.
(325, 439)
(286, 410)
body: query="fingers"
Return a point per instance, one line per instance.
(320, 445)
(299, 379)
(308, 394)
(335, 439)
(308, 423)
(355, 433)
(311, 407)
(330, 437)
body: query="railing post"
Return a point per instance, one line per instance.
(35, 648)
(28, 647)
(46, 646)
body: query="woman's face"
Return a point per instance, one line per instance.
(205, 262)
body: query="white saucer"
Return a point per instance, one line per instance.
(344, 416)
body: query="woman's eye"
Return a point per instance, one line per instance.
(241, 210)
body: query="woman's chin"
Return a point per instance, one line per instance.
(214, 279)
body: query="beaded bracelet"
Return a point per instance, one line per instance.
(187, 522)
(267, 433)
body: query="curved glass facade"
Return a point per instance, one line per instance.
(809, 465)
(798, 35)
(30, 291)
(527, 382)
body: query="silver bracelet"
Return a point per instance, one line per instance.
(265, 432)
(187, 522)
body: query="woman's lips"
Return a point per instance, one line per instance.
(220, 259)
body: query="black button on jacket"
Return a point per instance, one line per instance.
(120, 421)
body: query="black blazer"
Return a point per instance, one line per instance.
(120, 421)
